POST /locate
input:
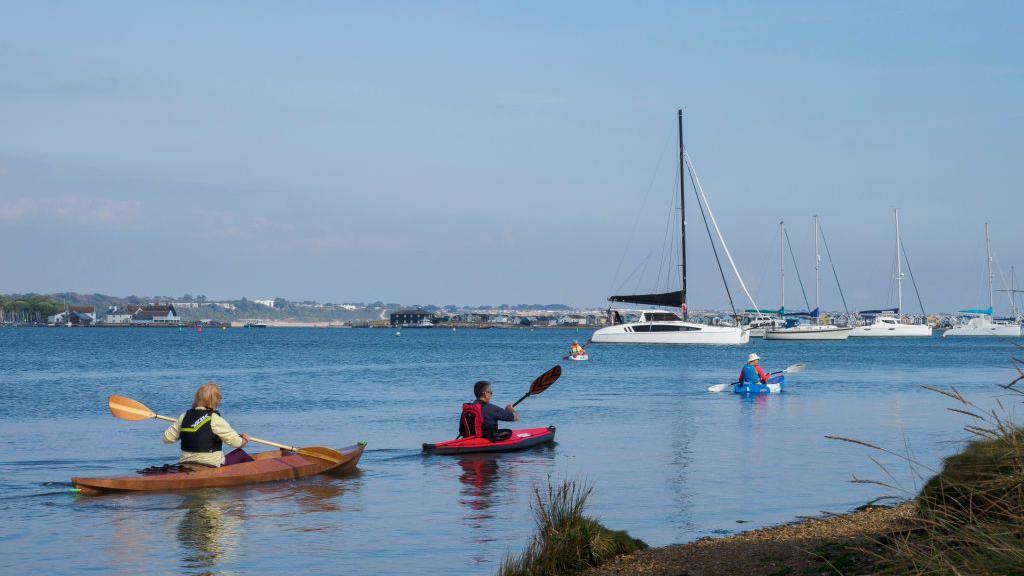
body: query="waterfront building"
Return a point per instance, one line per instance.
(117, 315)
(155, 315)
(410, 317)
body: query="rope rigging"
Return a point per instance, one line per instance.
(833, 265)
(714, 249)
(796, 267)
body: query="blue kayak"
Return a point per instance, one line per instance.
(776, 383)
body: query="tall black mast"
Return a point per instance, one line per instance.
(682, 216)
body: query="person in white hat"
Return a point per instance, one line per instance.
(752, 372)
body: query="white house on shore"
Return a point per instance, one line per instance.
(117, 315)
(155, 314)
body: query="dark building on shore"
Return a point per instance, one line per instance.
(410, 317)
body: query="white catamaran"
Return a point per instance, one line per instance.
(663, 327)
(814, 330)
(981, 322)
(888, 323)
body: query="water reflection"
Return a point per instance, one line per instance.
(490, 482)
(210, 530)
(479, 473)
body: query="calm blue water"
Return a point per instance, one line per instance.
(669, 461)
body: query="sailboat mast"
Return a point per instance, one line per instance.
(817, 264)
(988, 252)
(899, 266)
(682, 217)
(782, 264)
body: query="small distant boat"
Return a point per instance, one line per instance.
(578, 358)
(255, 325)
(761, 323)
(982, 322)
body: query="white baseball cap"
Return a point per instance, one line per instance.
(753, 357)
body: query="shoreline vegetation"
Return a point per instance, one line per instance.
(968, 518)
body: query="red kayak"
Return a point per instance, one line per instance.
(519, 440)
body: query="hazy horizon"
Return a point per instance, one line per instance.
(484, 154)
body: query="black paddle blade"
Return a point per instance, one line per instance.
(545, 380)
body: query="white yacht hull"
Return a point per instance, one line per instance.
(670, 333)
(824, 332)
(757, 332)
(984, 327)
(886, 330)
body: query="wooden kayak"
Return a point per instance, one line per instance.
(265, 467)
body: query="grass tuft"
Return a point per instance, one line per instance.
(971, 513)
(567, 541)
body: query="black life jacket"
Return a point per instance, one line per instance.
(471, 422)
(197, 431)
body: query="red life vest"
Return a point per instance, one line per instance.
(471, 423)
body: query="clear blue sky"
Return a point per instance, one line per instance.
(501, 152)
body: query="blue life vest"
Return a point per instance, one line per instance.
(749, 375)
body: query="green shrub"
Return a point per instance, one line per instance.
(566, 541)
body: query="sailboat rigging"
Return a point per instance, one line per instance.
(814, 329)
(889, 322)
(980, 322)
(661, 327)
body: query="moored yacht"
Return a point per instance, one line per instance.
(809, 332)
(889, 323)
(981, 322)
(662, 327)
(811, 327)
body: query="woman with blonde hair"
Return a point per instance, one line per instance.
(203, 432)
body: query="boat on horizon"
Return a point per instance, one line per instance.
(981, 322)
(889, 322)
(805, 325)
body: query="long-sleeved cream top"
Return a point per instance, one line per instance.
(219, 426)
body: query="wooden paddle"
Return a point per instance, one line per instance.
(542, 383)
(790, 370)
(128, 409)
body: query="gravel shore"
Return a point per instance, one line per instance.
(828, 545)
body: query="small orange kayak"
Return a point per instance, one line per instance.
(265, 467)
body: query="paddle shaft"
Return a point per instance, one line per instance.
(525, 396)
(251, 438)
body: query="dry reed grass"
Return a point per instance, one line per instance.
(971, 513)
(567, 541)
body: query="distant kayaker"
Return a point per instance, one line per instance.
(752, 372)
(203, 432)
(480, 417)
(576, 350)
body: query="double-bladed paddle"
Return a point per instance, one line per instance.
(128, 409)
(795, 368)
(542, 383)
